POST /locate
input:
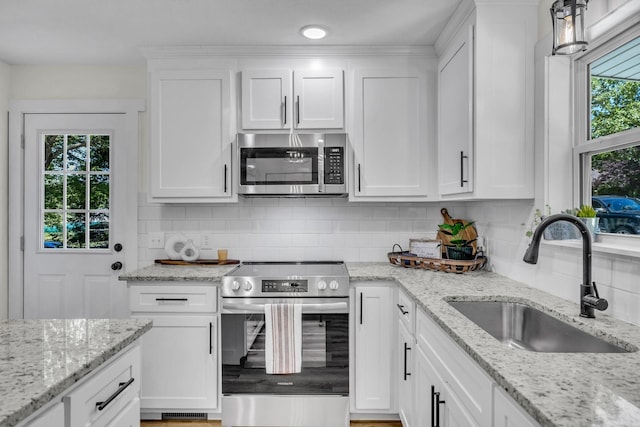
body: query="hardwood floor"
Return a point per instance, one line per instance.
(217, 424)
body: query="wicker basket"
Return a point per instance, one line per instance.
(408, 260)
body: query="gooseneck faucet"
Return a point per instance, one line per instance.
(589, 298)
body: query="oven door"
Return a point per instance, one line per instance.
(325, 348)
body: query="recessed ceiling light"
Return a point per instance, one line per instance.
(314, 32)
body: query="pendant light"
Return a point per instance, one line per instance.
(567, 18)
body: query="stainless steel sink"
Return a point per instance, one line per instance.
(522, 326)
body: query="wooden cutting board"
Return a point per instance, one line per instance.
(197, 262)
(469, 233)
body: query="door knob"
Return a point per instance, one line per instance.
(116, 265)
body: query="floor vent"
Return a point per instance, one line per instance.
(184, 416)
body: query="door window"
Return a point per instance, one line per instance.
(75, 172)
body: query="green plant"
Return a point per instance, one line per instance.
(538, 216)
(454, 231)
(586, 211)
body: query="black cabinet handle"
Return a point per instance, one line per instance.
(462, 180)
(172, 299)
(121, 387)
(210, 338)
(297, 110)
(402, 310)
(225, 178)
(359, 179)
(285, 110)
(406, 349)
(435, 407)
(361, 307)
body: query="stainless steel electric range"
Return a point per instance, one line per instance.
(318, 395)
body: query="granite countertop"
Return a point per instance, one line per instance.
(557, 389)
(40, 359)
(172, 273)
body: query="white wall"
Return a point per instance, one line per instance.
(4, 177)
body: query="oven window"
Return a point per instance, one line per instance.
(279, 166)
(325, 356)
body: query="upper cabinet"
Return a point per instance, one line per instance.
(314, 101)
(486, 100)
(388, 133)
(190, 139)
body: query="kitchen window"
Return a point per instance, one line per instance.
(608, 133)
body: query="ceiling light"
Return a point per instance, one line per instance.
(567, 17)
(313, 32)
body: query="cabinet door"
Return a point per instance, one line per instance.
(455, 111)
(128, 417)
(507, 413)
(190, 147)
(374, 323)
(388, 135)
(52, 417)
(179, 363)
(406, 350)
(319, 99)
(266, 99)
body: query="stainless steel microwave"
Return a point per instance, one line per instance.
(292, 164)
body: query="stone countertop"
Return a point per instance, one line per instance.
(172, 273)
(556, 389)
(40, 359)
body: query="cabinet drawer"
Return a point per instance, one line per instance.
(107, 392)
(406, 309)
(467, 380)
(173, 299)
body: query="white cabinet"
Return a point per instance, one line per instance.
(180, 354)
(486, 101)
(406, 347)
(314, 101)
(374, 326)
(191, 141)
(507, 413)
(50, 417)
(463, 385)
(455, 113)
(108, 396)
(389, 134)
(266, 99)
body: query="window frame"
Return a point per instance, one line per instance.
(584, 147)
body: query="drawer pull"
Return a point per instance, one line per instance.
(402, 310)
(121, 388)
(172, 299)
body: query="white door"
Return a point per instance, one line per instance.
(319, 99)
(266, 99)
(74, 206)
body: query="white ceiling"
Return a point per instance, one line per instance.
(110, 31)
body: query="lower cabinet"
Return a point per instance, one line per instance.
(451, 390)
(180, 352)
(406, 377)
(373, 325)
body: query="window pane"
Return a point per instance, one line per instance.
(53, 191)
(53, 152)
(77, 152)
(99, 147)
(99, 192)
(99, 231)
(616, 188)
(53, 228)
(615, 90)
(76, 191)
(76, 230)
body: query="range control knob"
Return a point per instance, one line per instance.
(322, 285)
(334, 285)
(235, 285)
(247, 286)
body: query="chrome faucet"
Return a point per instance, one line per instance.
(589, 298)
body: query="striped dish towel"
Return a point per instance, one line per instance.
(283, 333)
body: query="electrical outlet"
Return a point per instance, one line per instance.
(206, 241)
(156, 240)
